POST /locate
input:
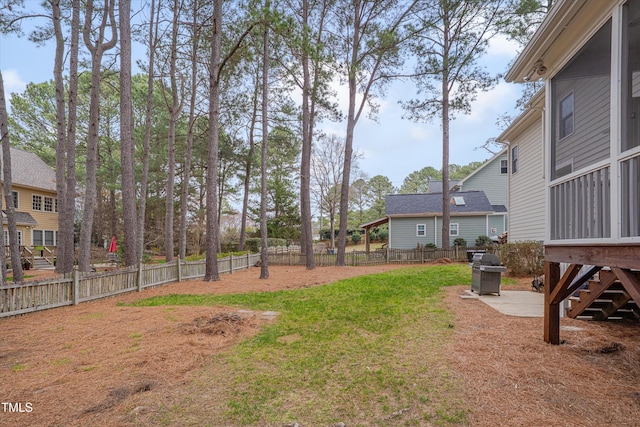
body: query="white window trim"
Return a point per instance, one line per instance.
(457, 229)
(573, 115)
(424, 230)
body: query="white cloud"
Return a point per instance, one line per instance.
(12, 82)
(502, 46)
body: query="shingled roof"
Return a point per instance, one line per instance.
(430, 204)
(29, 170)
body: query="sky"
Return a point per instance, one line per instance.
(391, 145)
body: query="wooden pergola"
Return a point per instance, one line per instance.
(615, 263)
(367, 230)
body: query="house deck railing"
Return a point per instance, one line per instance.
(80, 287)
(580, 206)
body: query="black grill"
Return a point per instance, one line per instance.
(486, 273)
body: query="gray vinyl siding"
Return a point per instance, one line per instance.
(527, 187)
(490, 180)
(470, 227)
(589, 142)
(497, 222)
(402, 232)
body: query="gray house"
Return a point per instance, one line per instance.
(416, 219)
(588, 54)
(492, 177)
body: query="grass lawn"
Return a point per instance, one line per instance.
(365, 351)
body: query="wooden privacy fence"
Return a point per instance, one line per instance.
(40, 295)
(380, 256)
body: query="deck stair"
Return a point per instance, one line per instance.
(604, 298)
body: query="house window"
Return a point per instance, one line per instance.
(48, 238)
(38, 237)
(6, 237)
(514, 159)
(454, 229)
(56, 204)
(565, 120)
(48, 204)
(14, 195)
(421, 230)
(504, 166)
(458, 201)
(36, 202)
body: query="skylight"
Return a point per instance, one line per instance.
(459, 201)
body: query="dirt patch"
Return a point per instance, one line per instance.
(101, 363)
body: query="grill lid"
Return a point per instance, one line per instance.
(486, 259)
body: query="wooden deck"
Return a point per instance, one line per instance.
(620, 262)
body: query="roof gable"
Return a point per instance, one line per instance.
(29, 170)
(431, 203)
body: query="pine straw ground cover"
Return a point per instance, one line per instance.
(446, 361)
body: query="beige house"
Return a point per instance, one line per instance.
(34, 199)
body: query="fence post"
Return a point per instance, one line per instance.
(76, 286)
(289, 253)
(179, 266)
(248, 259)
(140, 275)
(231, 263)
(354, 257)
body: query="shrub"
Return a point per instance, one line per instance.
(383, 235)
(355, 238)
(484, 241)
(253, 244)
(523, 258)
(459, 241)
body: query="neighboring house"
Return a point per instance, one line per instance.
(526, 201)
(588, 53)
(492, 177)
(34, 200)
(416, 219)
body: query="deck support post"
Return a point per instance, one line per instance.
(551, 309)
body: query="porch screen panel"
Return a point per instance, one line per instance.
(630, 192)
(580, 207)
(580, 107)
(631, 76)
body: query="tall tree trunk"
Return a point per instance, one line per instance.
(61, 143)
(446, 208)
(67, 232)
(127, 144)
(96, 50)
(249, 163)
(211, 269)
(264, 250)
(307, 135)
(174, 112)
(14, 245)
(184, 197)
(348, 143)
(144, 179)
